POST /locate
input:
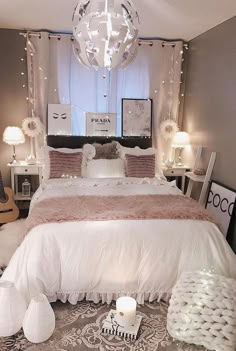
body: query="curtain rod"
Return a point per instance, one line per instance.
(58, 36)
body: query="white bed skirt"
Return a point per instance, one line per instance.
(74, 297)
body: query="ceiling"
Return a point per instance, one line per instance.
(170, 19)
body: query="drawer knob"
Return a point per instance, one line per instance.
(26, 170)
(172, 172)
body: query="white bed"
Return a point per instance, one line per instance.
(102, 260)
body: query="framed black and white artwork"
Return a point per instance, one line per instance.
(59, 119)
(220, 203)
(100, 124)
(137, 117)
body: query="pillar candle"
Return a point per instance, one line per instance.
(126, 311)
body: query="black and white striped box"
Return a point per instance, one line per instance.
(110, 326)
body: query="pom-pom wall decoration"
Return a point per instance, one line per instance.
(168, 128)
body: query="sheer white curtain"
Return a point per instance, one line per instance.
(55, 76)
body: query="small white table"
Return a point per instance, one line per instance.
(176, 171)
(23, 168)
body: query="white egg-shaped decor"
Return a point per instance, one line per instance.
(12, 309)
(39, 321)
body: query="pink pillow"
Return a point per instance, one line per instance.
(65, 165)
(140, 166)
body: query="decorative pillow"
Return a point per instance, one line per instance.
(43, 156)
(140, 166)
(65, 165)
(106, 151)
(137, 151)
(105, 168)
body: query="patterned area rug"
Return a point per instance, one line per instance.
(80, 328)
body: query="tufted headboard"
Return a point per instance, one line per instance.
(74, 142)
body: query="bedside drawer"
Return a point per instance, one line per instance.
(174, 172)
(169, 172)
(26, 170)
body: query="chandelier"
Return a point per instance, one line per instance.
(106, 33)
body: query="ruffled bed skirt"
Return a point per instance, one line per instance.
(96, 297)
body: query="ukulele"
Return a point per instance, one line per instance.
(9, 212)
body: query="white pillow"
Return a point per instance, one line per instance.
(43, 156)
(137, 151)
(104, 168)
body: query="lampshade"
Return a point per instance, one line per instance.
(181, 139)
(105, 32)
(13, 136)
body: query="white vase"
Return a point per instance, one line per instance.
(39, 321)
(12, 309)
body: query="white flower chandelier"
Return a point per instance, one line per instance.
(106, 33)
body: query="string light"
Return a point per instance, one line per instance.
(104, 76)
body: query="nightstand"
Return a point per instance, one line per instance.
(177, 171)
(22, 170)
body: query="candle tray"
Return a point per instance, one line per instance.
(111, 326)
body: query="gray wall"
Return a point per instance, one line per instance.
(210, 100)
(13, 103)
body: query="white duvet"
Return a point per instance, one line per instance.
(105, 259)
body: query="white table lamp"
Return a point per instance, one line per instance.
(13, 136)
(181, 139)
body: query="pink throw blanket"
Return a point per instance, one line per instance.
(103, 208)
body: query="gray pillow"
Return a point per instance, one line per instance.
(108, 151)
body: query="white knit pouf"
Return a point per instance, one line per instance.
(202, 311)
